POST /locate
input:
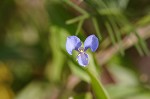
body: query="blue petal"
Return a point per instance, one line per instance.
(83, 59)
(91, 42)
(72, 43)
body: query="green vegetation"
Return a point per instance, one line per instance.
(34, 63)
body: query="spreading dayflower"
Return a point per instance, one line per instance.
(74, 43)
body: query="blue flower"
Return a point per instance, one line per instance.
(74, 43)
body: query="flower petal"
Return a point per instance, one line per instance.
(83, 59)
(91, 42)
(72, 43)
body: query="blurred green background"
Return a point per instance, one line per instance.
(34, 63)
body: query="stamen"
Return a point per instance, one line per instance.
(81, 49)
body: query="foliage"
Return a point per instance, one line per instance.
(34, 63)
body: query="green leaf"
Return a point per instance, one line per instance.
(54, 68)
(143, 44)
(76, 19)
(144, 20)
(75, 7)
(98, 89)
(92, 73)
(95, 23)
(117, 33)
(78, 71)
(34, 90)
(87, 95)
(110, 32)
(79, 26)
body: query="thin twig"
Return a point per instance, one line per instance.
(127, 42)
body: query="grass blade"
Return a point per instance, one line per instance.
(95, 23)
(75, 7)
(118, 34)
(79, 26)
(110, 32)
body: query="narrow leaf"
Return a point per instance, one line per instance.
(118, 35)
(100, 92)
(76, 19)
(79, 26)
(75, 7)
(110, 32)
(95, 23)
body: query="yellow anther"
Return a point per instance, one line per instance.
(81, 49)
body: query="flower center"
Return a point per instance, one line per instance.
(81, 49)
